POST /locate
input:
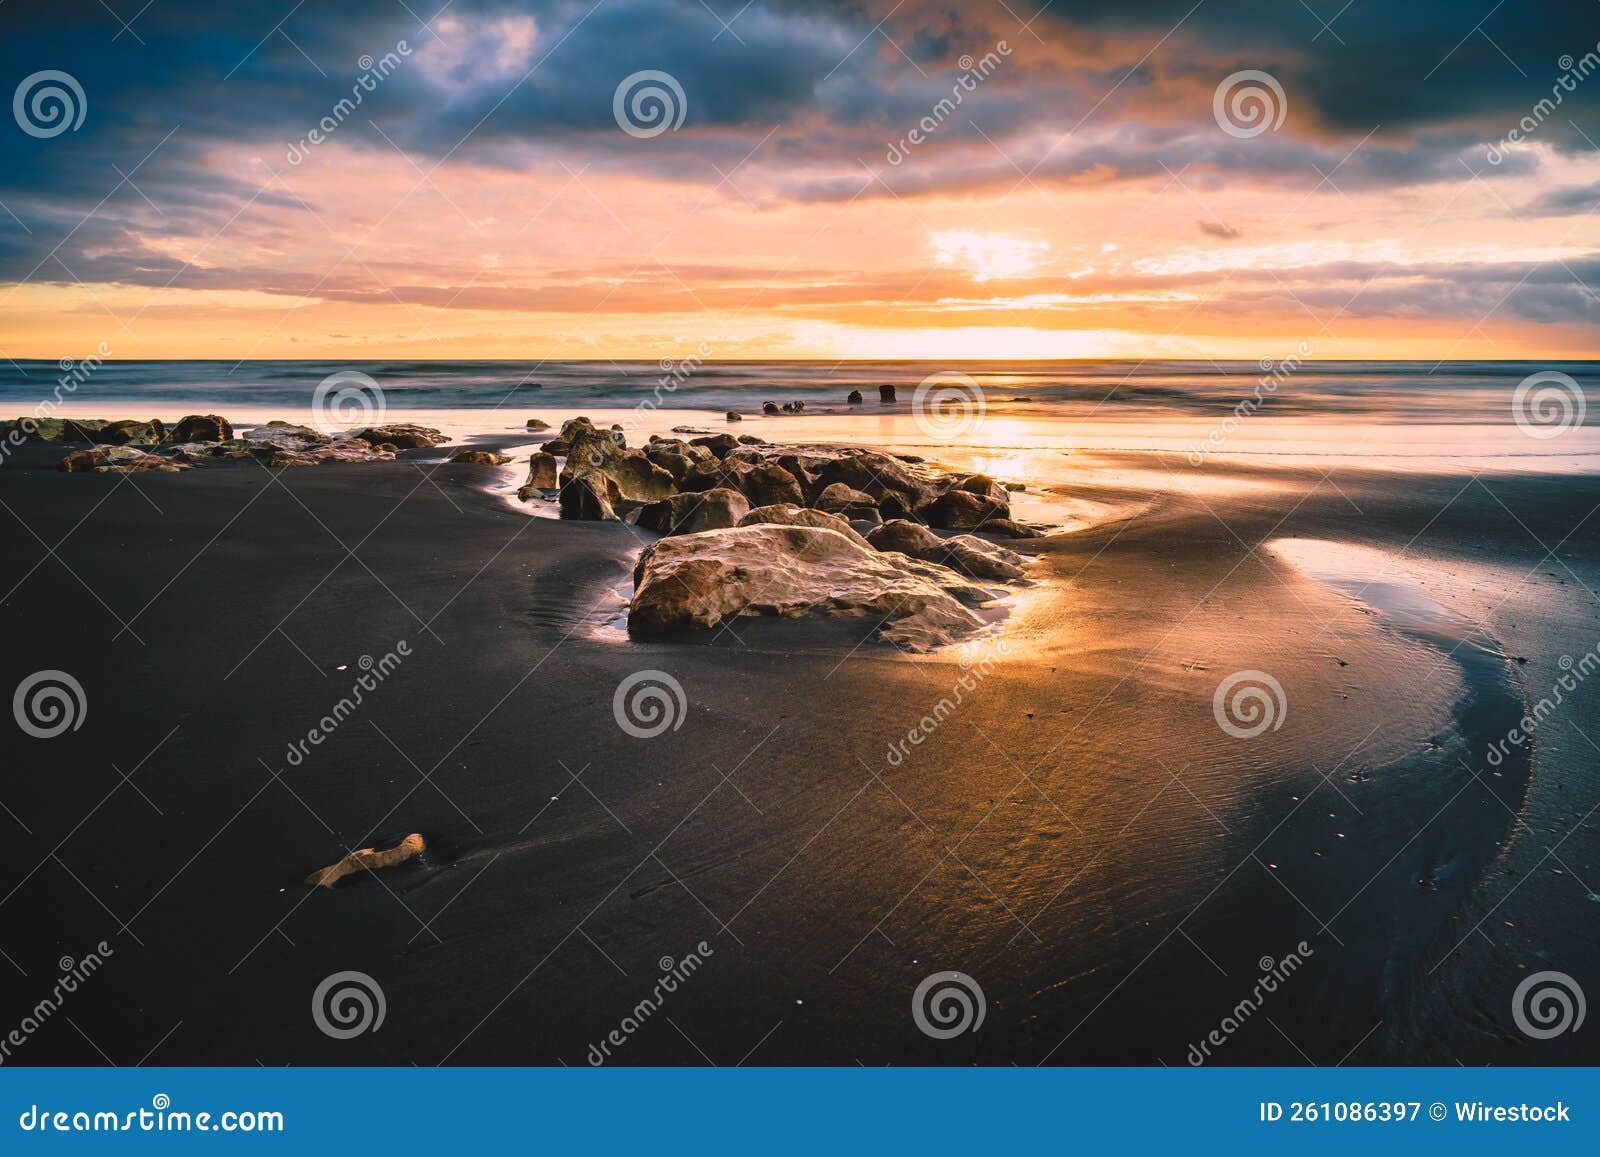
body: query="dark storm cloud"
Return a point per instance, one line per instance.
(1391, 94)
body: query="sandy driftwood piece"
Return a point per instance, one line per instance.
(367, 859)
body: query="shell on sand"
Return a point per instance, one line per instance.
(367, 859)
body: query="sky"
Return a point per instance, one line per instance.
(637, 179)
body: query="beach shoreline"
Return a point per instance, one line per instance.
(1079, 837)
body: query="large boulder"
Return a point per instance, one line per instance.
(692, 513)
(963, 510)
(36, 429)
(131, 432)
(698, 581)
(591, 496)
(719, 444)
(403, 436)
(841, 499)
(853, 398)
(286, 436)
(543, 474)
(904, 536)
(479, 458)
(709, 474)
(1011, 528)
(201, 428)
(634, 478)
(963, 552)
(787, 514)
(769, 484)
(886, 393)
(879, 475)
(674, 461)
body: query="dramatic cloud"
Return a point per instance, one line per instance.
(377, 157)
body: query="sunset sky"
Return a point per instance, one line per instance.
(1084, 199)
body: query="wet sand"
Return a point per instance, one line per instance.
(1080, 836)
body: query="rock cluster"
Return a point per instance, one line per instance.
(129, 446)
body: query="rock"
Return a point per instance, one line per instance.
(538, 424)
(904, 536)
(543, 472)
(1011, 528)
(697, 581)
(734, 416)
(962, 510)
(344, 450)
(405, 436)
(692, 513)
(131, 460)
(865, 525)
(794, 407)
(633, 477)
(674, 461)
(287, 436)
(708, 474)
(979, 558)
(83, 461)
(787, 514)
(886, 393)
(130, 432)
(881, 476)
(35, 429)
(770, 408)
(965, 552)
(201, 428)
(479, 458)
(719, 444)
(853, 398)
(367, 860)
(751, 440)
(984, 487)
(841, 499)
(590, 496)
(768, 483)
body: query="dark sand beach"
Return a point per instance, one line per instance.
(1079, 835)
